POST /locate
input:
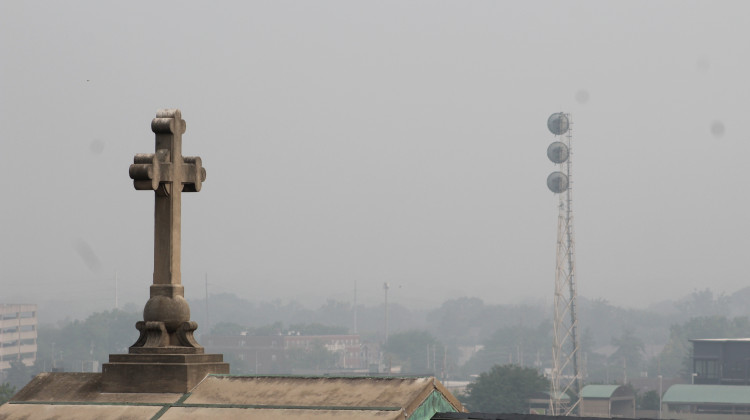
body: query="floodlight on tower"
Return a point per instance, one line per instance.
(566, 376)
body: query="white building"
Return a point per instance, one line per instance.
(18, 332)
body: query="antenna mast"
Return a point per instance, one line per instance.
(386, 286)
(354, 307)
(206, 278)
(566, 375)
(117, 303)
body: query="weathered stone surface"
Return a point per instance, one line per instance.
(82, 387)
(166, 316)
(166, 357)
(159, 372)
(76, 396)
(77, 412)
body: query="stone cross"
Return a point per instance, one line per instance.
(166, 316)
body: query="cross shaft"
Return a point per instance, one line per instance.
(168, 174)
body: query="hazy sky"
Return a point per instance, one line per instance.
(398, 141)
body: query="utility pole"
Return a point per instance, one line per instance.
(444, 373)
(660, 396)
(386, 286)
(207, 319)
(117, 306)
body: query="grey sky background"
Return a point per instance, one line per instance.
(377, 141)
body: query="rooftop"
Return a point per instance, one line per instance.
(77, 395)
(707, 394)
(720, 340)
(603, 391)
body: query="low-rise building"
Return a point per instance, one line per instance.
(540, 402)
(721, 361)
(720, 382)
(607, 401)
(696, 402)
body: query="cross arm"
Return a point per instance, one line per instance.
(194, 174)
(149, 169)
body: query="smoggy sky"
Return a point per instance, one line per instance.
(398, 141)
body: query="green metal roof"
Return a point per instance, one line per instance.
(707, 394)
(561, 396)
(599, 391)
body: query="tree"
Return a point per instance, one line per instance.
(315, 357)
(504, 389)
(648, 401)
(702, 303)
(458, 319)
(517, 344)
(675, 358)
(238, 366)
(227, 328)
(277, 328)
(18, 375)
(101, 334)
(6, 392)
(318, 329)
(629, 352)
(415, 350)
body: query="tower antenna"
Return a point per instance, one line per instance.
(566, 375)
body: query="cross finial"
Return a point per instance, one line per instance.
(168, 174)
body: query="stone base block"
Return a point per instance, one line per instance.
(159, 373)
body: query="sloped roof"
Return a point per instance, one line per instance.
(599, 391)
(719, 340)
(196, 413)
(707, 394)
(98, 412)
(81, 387)
(496, 416)
(313, 391)
(77, 395)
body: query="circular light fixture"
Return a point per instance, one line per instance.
(557, 182)
(558, 123)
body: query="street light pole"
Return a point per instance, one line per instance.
(660, 396)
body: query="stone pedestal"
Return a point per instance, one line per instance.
(159, 373)
(166, 358)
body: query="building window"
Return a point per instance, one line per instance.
(734, 370)
(707, 368)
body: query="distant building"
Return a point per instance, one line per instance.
(269, 354)
(720, 382)
(350, 351)
(724, 361)
(539, 402)
(706, 402)
(607, 401)
(18, 332)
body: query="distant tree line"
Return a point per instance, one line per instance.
(460, 339)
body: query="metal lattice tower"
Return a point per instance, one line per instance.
(566, 371)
